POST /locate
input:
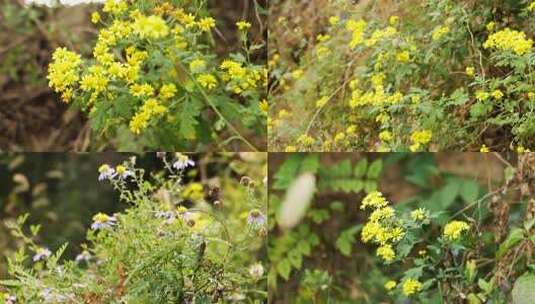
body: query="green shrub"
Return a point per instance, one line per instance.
(176, 242)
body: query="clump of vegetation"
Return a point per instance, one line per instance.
(178, 241)
(410, 76)
(450, 240)
(156, 81)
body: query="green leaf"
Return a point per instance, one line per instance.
(287, 171)
(524, 289)
(295, 258)
(485, 286)
(515, 236)
(318, 216)
(469, 191)
(284, 268)
(187, 119)
(310, 163)
(304, 247)
(375, 169)
(360, 168)
(345, 241)
(370, 186)
(449, 192)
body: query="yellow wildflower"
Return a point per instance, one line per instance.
(375, 200)
(453, 230)
(197, 65)
(64, 69)
(482, 95)
(411, 286)
(167, 91)
(333, 20)
(206, 24)
(390, 285)
(508, 39)
(95, 17)
(150, 27)
(419, 214)
(386, 252)
(142, 90)
(497, 94)
(385, 136)
(439, 32)
(207, 81)
(470, 71)
(484, 149)
(403, 56)
(243, 25)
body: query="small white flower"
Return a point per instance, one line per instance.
(256, 271)
(8, 299)
(106, 172)
(183, 162)
(123, 172)
(102, 221)
(85, 256)
(41, 254)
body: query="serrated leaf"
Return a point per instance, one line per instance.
(187, 119)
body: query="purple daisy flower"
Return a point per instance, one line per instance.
(41, 254)
(106, 172)
(183, 162)
(256, 218)
(85, 256)
(103, 221)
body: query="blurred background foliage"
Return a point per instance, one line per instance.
(61, 191)
(31, 116)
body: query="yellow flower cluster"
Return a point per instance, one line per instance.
(420, 138)
(150, 27)
(440, 32)
(64, 70)
(382, 227)
(390, 285)
(379, 35)
(193, 192)
(150, 108)
(419, 214)
(411, 286)
(508, 39)
(453, 230)
(207, 81)
(357, 28)
(240, 79)
(377, 96)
